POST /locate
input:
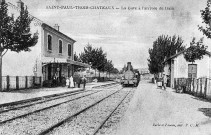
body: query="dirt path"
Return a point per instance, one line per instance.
(157, 112)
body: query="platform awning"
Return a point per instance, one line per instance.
(50, 60)
(78, 63)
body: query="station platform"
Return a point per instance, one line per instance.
(17, 96)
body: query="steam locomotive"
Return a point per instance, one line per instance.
(130, 78)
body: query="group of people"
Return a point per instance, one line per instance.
(162, 82)
(72, 82)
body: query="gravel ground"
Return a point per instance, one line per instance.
(46, 118)
(27, 103)
(155, 111)
(111, 125)
(88, 121)
(114, 86)
(13, 113)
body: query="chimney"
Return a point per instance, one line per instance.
(56, 26)
(20, 4)
(129, 66)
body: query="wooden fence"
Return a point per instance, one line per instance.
(10, 83)
(198, 87)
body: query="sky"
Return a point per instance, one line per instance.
(124, 33)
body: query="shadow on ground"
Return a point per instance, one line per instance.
(206, 111)
(202, 99)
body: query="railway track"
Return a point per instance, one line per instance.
(33, 101)
(109, 116)
(107, 86)
(45, 108)
(52, 129)
(44, 132)
(16, 103)
(62, 120)
(39, 101)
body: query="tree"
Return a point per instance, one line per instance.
(95, 56)
(115, 71)
(123, 69)
(163, 47)
(76, 57)
(195, 51)
(206, 17)
(15, 34)
(109, 67)
(100, 59)
(77, 68)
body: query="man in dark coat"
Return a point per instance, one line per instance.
(77, 79)
(84, 81)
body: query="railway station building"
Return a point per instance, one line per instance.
(53, 55)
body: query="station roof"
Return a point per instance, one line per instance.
(46, 25)
(50, 60)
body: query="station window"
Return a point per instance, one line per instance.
(192, 70)
(69, 50)
(60, 46)
(49, 42)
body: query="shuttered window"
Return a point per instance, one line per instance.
(192, 70)
(69, 50)
(60, 46)
(49, 42)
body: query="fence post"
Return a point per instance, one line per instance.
(177, 82)
(8, 82)
(197, 84)
(193, 86)
(200, 86)
(40, 81)
(188, 85)
(33, 84)
(205, 88)
(174, 83)
(26, 82)
(17, 82)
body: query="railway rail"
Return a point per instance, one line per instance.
(33, 101)
(74, 115)
(64, 118)
(16, 103)
(45, 108)
(71, 118)
(39, 101)
(109, 116)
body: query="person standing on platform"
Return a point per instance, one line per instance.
(63, 80)
(84, 81)
(67, 82)
(79, 81)
(75, 79)
(71, 82)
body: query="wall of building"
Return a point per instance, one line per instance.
(203, 67)
(172, 74)
(30, 63)
(181, 67)
(55, 45)
(166, 69)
